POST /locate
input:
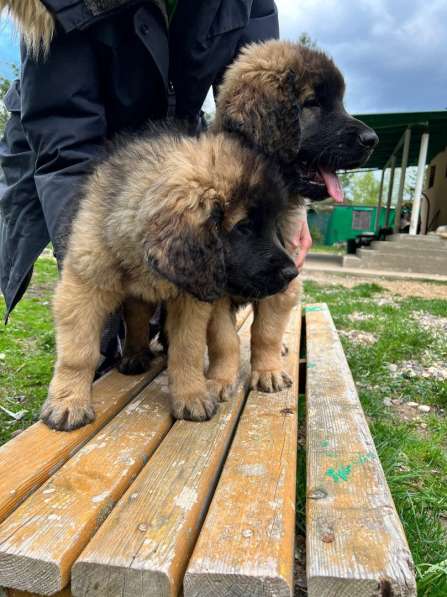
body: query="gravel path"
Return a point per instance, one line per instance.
(400, 287)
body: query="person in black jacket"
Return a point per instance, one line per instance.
(91, 69)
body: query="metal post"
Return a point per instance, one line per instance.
(379, 202)
(419, 182)
(390, 190)
(403, 171)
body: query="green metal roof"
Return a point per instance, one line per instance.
(391, 126)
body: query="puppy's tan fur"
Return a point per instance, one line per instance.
(171, 187)
(255, 97)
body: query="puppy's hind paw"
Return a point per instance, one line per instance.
(270, 381)
(133, 364)
(65, 415)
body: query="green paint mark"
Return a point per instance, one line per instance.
(315, 308)
(310, 366)
(342, 473)
(364, 458)
(325, 444)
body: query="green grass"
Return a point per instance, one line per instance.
(415, 462)
(337, 249)
(27, 352)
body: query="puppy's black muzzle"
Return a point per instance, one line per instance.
(368, 138)
(355, 143)
(277, 277)
(289, 273)
(266, 278)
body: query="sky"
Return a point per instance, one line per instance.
(391, 52)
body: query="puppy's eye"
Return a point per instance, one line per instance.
(311, 102)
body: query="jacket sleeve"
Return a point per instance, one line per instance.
(262, 25)
(64, 121)
(203, 39)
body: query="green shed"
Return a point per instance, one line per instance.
(346, 221)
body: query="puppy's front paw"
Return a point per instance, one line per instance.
(270, 381)
(66, 414)
(197, 406)
(133, 364)
(222, 389)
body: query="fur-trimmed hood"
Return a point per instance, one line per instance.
(34, 20)
(37, 24)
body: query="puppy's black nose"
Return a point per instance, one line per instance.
(368, 138)
(289, 272)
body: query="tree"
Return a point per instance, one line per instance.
(362, 188)
(4, 86)
(305, 40)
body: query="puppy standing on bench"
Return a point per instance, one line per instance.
(164, 218)
(285, 101)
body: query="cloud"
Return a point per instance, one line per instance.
(390, 51)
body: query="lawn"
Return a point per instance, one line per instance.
(336, 249)
(27, 352)
(397, 349)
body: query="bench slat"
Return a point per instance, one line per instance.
(16, 593)
(41, 539)
(171, 493)
(355, 541)
(40, 451)
(246, 546)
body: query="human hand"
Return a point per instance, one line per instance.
(302, 241)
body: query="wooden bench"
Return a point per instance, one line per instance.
(137, 504)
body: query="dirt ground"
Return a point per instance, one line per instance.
(404, 288)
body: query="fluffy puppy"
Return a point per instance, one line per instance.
(285, 101)
(165, 218)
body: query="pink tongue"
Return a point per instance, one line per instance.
(333, 185)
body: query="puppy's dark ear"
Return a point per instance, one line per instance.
(187, 250)
(266, 113)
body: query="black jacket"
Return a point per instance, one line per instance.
(104, 73)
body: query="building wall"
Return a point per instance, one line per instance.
(437, 193)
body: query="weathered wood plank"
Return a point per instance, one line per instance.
(14, 593)
(41, 451)
(162, 511)
(41, 539)
(246, 546)
(356, 545)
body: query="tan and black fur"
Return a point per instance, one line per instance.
(165, 218)
(285, 101)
